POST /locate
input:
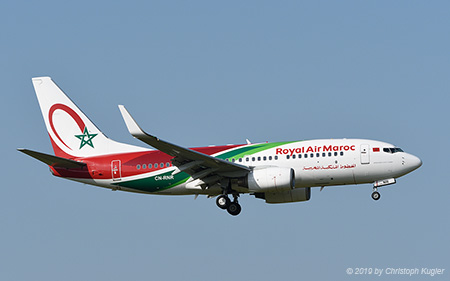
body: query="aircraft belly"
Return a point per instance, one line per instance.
(182, 190)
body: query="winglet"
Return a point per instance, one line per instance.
(140, 134)
(178, 151)
(132, 126)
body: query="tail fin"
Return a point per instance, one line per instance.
(72, 134)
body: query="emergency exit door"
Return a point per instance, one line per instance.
(116, 170)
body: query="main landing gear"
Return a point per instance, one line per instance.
(225, 203)
(375, 194)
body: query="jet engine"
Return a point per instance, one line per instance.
(266, 179)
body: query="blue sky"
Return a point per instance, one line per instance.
(206, 72)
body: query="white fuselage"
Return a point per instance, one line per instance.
(327, 162)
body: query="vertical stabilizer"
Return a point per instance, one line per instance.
(72, 134)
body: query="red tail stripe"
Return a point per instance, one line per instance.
(72, 114)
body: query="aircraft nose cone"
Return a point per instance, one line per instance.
(413, 162)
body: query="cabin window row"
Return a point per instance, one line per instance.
(155, 165)
(294, 156)
(312, 155)
(259, 158)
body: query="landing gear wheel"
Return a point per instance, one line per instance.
(234, 209)
(223, 202)
(375, 195)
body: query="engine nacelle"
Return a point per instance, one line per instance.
(296, 195)
(270, 179)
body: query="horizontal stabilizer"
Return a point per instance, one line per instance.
(54, 161)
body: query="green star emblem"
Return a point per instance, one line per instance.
(86, 138)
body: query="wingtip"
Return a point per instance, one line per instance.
(40, 80)
(131, 124)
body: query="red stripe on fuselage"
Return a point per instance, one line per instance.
(99, 167)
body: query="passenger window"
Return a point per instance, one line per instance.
(270, 158)
(287, 157)
(329, 154)
(138, 166)
(293, 156)
(144, 166)
(167, 164)
(335, 153)
(233, 160)
(342, 153)
(161, 165)
(259, 158)
(149, 166)
(253, 159)
(312, 155)
(264, 158)
(317, 154)
(324, 154)
(306, 155)
(240, 159)
(276, 157)
(247, 159)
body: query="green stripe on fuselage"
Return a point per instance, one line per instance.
(155, 183)
(166, 180)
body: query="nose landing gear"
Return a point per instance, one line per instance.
(375, 194)
(378, 183)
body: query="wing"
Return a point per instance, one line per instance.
(205, 168)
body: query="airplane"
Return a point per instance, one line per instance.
(277, 172)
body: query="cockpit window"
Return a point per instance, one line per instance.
(392, 149)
